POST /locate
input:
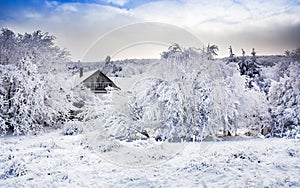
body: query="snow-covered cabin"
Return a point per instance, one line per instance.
(96, 81)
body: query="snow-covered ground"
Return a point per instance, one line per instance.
(183, 95)
(56, 160)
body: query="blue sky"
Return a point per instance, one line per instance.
(38, 3)
(270, 26)
(8, 7)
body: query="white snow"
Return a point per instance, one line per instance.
(55, 160)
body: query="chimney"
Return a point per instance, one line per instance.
(80, 72)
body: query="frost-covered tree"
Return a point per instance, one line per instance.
(285, 103)
(243, 53)
(8, 46)
(25, 97)
(295, 54)
(184, 95)
(110, 67)
(180, 99)
(31, 96)
(211, 51)
(171, 101)
(172, 50)
(240, 107)
(287, 53)
(252, 71)
(232, 57)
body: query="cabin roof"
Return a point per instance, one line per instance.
(85, 76)
(88, 74)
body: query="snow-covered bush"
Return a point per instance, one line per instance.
(15, 169)
(72, 128)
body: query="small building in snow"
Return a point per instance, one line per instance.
(96, 81)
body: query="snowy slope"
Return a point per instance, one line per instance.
(55, 160)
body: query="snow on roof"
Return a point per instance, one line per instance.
(78, 80)
(86, 75)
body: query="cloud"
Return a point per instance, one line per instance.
(117, 2)
(32, 15)
(70, 7)
(270, 27)
(190, 13)
(75, 25)
(51, 4)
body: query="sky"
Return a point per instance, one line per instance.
(271, 27)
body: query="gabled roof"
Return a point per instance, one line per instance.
(88, 74)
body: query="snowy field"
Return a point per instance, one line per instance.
(56, 160)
